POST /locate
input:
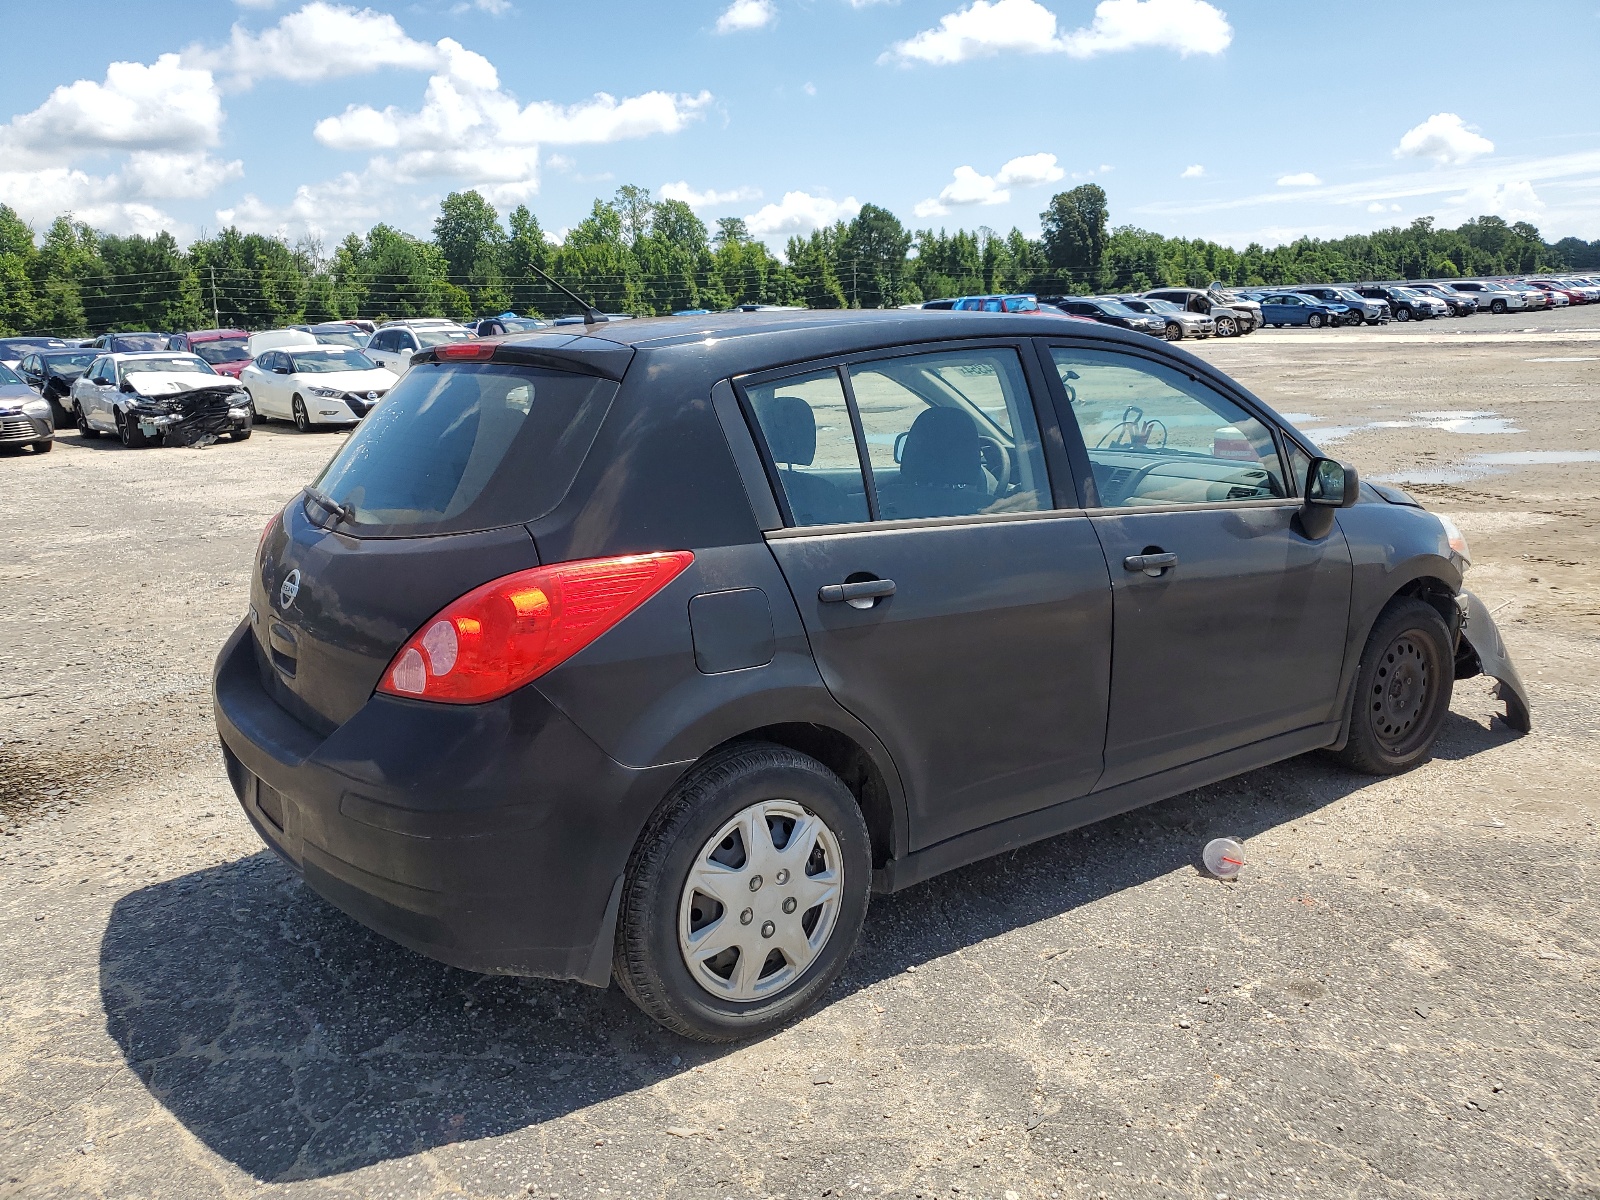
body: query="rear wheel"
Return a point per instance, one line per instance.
(302, 419)
(1402, 690)
(744, 895)
(84, 428)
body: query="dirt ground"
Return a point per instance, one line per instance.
(1399, 998)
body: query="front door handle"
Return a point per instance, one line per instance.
(869, 590)
(1150, 564)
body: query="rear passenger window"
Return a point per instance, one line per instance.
(805, 423)
(950, 434)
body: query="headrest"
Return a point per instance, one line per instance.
(790, 428)
(942, 449)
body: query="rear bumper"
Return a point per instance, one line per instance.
(490, 837)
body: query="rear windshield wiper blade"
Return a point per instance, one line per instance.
(343, 512)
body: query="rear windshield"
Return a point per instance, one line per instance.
(136, 342)
(225, 351)
(457, 447)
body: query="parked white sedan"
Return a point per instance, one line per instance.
(316, 385)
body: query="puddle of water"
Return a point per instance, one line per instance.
(1449, 420)
(1480, 465)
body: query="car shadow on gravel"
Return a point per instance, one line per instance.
(297, 1044)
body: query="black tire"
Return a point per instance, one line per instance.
(60, 417)
(1314, 320)
(647, 960)
(44, 447)
(1497, 306)
(1402, 690)
(302, 419)
(242, 435)
(132, 436)
(1227, 327)
(1402, 314)
(84, 428)
(1173, 332)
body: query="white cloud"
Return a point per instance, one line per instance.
(316, 42)
(1515, 200)
(809, 88)
(1030, 170)
(982, 29)
(746, 14)
(800, 212)
(323, 210)
(1377, 206)
(1193, 172)
(177, 175)
(988, 27)
(1444, 138)
(164, 105)
(710, 198)
(1300, 179)
(1187, 26)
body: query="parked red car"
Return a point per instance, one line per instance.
(1549, 285)
(225, 349)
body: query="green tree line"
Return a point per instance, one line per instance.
(641, 255)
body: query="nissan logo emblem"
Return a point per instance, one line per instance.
(373, 396)
(290, 588)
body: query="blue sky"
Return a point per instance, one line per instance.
(1236, 121)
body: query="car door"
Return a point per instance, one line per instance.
(951, 606)
(102, 394)
(1230, 621)
(1275, 310)
(274, 383)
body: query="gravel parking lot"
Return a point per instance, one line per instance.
(1399, 998)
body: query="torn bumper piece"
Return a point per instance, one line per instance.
(196, 417)
(1481, 652)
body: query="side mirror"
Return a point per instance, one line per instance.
(900, 445)
(280, 370)
(1331, 484)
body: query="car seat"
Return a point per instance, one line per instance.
(941, 469)
(790, 428)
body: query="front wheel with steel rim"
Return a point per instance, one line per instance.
(1226, 327)
(744, 895)
(1402, 690)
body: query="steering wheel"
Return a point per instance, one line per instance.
(997, 461)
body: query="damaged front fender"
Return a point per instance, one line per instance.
(1481, 652)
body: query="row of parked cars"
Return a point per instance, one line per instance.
(1217, 311)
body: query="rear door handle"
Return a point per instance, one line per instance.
(1150, 562)
(867, 589)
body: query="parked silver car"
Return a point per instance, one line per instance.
(154, 397)
(1233, 315)
(1491, 296)
(25, 416)
(1180, 322)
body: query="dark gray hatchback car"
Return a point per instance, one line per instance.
(649, 650)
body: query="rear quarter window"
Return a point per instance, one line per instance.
(459, 447)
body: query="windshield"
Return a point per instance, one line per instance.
(7, 375)
(1160, 306)
(341, 337)
(70, 364)
(20, 346)
(178, 364)
(437, 337)
(231, 350)
(135, 342)
(1115, 306)
(467, 446)
(521, 324)
(1347, 296)
(325, 362)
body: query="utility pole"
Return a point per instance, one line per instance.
(216, 316)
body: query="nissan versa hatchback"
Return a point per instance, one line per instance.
(648, 650)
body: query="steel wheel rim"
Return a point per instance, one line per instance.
(1403, 691)
(1225, 327)
(754, 916)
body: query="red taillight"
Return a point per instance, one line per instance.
(266, 531)
(511, 631)
(464, 352)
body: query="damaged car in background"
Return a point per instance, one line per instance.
(159, 398)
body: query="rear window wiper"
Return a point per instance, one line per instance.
(344, 512)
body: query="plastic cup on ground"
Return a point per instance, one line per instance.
(1224, 858)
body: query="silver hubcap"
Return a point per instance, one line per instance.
(761, 901)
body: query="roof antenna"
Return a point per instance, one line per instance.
(591, 314)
